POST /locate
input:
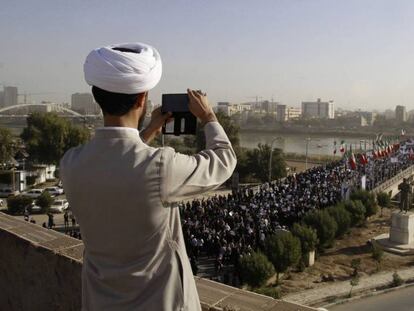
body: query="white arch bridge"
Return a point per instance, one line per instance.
(56, 106)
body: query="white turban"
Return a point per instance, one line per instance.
(123, 72)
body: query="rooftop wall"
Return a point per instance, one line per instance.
(40, 269)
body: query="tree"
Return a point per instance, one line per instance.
(355, 264)
(384, 200)
(258, 162)
(357, 211)
(308, 239)
(256, 269)
(324, 225)
(17, 204)
(342, 218)
(48, 136)
(368, 199)
(45, 200)
(283, 250)
(7, 147)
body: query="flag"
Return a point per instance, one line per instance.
(352, 161)
(342, 147)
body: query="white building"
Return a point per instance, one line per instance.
(318, 109)
(230, 109)
(285, 113)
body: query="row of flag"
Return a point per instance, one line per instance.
(380, 148)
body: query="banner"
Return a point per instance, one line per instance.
(363, 182)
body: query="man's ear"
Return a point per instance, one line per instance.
(141, 99)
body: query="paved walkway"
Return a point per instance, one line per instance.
(340, 289)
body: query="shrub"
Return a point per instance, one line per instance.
(342, 218)
(396, 280)
(377, 254)
(256, 269)
(273, 292)
(324, 225)
(308, 239)
(368, 200)
(45, 200)
(357, 211)
(17, 204)
(283, 250)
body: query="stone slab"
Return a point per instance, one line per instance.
(402, 228)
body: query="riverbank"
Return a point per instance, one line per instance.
(368, 133)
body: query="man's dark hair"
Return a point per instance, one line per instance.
(115, 104)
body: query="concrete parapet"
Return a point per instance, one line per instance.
(41, 270)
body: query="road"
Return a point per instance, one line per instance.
(401, 300)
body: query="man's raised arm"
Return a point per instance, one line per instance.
(183, 175)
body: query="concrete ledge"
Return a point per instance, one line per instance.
(41, 270)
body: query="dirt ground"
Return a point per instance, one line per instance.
(335, 263)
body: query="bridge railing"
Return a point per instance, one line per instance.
(393, 180)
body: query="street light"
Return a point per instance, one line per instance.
(270, 157)
(306, 154)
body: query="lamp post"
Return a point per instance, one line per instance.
(270, 157)
(306, 154)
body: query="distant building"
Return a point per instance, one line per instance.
(9, 96)
(401, 114)
(318, 109)
(1, 99)
(230, 109)
(84, 103)
(269, 107)
(285, 113)
(367, 118)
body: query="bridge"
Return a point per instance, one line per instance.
(70, 111)
(391, 185)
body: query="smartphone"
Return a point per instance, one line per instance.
(185, 123)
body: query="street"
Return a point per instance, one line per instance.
(401, 300)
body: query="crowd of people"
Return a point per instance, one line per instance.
(225, 227)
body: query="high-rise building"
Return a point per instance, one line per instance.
(84, 103)
(9, 96)
(318, 109)
(401, 114)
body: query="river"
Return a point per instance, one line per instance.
(318, 145)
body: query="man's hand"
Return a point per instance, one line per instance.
(154, 127)
(199, 106)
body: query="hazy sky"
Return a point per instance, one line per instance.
(360, 53)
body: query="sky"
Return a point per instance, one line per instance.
(359, 53)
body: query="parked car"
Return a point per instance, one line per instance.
(59, 206)
(7, 192)
(34, 193)
(54, 191)
(33, 208)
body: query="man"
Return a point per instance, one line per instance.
(122, 191)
